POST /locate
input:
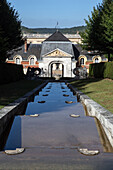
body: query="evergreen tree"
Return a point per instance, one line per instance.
(99, 33)
(3, 45)
(107, 24)
(10, 30)
(92, 36)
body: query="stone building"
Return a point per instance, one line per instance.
(39, 38)
(56, 54)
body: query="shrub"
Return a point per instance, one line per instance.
(108, 72)
(96, 70)
(10, 73)
(101, 70)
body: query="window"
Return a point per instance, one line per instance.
(17, 60)
(31, 61)
(82, 61)
(96, 60)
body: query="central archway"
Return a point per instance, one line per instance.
(56, 68)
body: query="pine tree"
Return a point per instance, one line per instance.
(99, 33)
(92, 37)
(3, 45)
(107, 23)
(10, 30)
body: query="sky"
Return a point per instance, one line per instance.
(46, 13)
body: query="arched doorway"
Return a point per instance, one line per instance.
(57, 69)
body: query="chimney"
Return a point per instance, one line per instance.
(25, 46)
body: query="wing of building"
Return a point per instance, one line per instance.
(56, 54)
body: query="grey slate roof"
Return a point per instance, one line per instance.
(57, 36)
(48, 47)
(81, 51)
(76, 52)
(32, 49)
(85, 52)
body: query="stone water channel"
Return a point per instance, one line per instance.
(52, 139)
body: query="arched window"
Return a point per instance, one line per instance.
(31, 61)
(96, 60)
(82, 61)
(17, 60)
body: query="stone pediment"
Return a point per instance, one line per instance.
(57, 53)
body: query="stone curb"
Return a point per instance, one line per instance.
(17, 107)
(94, 109)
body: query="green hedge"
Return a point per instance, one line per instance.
(101, 70)
(108, 72)
(10, 72)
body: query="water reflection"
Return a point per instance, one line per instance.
(54, 100)
(54, 127)
(4, 136)
(14, 138)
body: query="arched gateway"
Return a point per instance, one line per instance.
(56, 69)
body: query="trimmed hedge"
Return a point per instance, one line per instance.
(108, 72)
(101, 70)
(10, 72)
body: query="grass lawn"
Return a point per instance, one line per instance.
(12, 91)
(100, 90)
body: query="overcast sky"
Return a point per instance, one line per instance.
(46, 13)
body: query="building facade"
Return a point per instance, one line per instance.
(39, 38)
(56, 54)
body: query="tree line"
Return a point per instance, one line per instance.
(72, 30)
(98, 36)
(10, 30)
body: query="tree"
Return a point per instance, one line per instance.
(3, 45)
(91, 37)
(99, 33)
(10, 30)
(107, 24)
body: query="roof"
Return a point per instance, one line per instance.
(57, 36)
(32, 49)
(81, 50)
(47, 47)
(76, 52)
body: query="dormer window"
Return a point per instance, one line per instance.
(82, 61)
(96, 60)
(17, 60)
(32, 61)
